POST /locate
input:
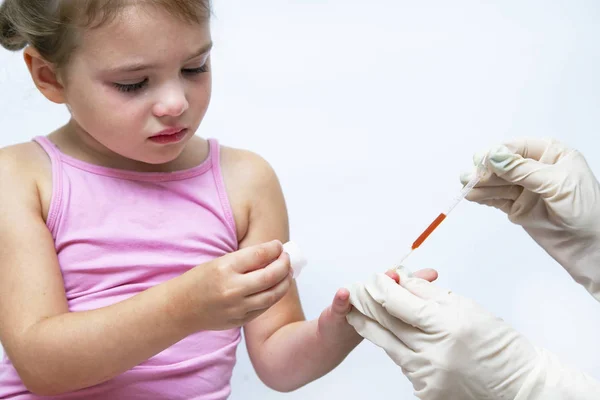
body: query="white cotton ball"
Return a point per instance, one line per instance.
(297, 259)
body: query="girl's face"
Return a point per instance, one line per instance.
(140, 85)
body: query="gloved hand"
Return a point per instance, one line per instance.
(452, 349)
(550, 191)
(447, 346)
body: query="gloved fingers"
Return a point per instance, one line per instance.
(524, 206)
(381, 337)
(502, 205)
(545, 150)
(397, 300)
(424, 289)
(526, 162)
(362, 301)
(533, 175)
(367, 306)
(428, 274)
(511, 192)
(487, 181)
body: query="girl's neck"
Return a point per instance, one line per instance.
(73, 141)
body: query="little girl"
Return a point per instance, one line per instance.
(133, 251)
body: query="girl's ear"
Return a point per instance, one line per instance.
(44, 76)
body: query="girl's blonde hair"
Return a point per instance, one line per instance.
(51, 26)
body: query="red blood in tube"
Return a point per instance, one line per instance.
(436, 222)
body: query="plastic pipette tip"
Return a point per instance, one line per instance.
(399, 265)
(404, 273)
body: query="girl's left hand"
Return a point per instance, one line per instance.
(333, 325)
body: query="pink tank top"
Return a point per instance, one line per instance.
(120, 232)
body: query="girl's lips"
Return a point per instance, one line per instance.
(169, 136)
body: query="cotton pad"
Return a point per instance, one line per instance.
(297, 259)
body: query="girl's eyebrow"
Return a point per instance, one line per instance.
(141, 66)
(203, 50)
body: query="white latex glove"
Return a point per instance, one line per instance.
(452, 349)
(550, 191)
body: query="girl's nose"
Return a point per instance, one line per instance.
(172, 103)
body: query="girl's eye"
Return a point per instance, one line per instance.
(134, 87)
(131, 87)
(195, 71)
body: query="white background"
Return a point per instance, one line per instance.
(369, 111)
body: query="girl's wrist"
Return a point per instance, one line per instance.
(340, 333)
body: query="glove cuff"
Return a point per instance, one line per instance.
(551, 380)
(580, 257)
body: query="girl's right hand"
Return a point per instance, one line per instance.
(234, 289)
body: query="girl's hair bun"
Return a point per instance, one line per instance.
(10, 38)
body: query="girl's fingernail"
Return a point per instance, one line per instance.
(343, 297)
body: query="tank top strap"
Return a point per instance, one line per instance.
(215, 161)
(48, 147)
(58, 186)
(214, 152)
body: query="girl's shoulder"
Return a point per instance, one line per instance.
(250, 181)
(24, 160)
(247, 169)
(25, 171)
